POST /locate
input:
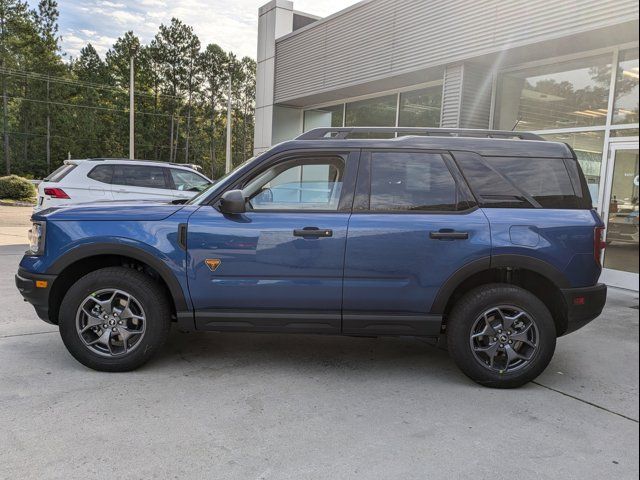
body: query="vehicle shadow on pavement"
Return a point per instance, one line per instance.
(307, 354)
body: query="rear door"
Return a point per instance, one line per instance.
(414, 224)
(140, 182)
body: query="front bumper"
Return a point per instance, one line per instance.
(583, 305)
(38, 296)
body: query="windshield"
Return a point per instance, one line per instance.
(200, 197)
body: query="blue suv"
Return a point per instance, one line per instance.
(488, 237)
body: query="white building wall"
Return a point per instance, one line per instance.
(275, 19)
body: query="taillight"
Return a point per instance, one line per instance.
(598, 244)
(55, 193)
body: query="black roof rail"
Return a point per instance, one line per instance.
(339, 133)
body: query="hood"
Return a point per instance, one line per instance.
(110, 211)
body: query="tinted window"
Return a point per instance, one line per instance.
(187, 181)
(101, 173)
(506, 182)
(493, 189)
(544, 179)
(139, 176)
(406, 181)
(60, 172)
(302, 184)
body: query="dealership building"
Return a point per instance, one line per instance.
(566, 69)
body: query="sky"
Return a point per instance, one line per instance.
(232, 24)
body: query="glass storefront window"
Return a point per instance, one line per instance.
(373, 112)
(625, 108)
(625, 132)
(323, 117)
(622, 221)
(420, 108)
(588, 147)
(565, 95)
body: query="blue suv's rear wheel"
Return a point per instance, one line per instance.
(114, 319)
(501, 335)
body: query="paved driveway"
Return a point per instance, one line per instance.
(244, 406)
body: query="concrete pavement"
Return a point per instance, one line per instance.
(242, 406)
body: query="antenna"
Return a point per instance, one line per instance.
(516, 124)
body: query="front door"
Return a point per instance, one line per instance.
(413, 226)
(279, 266)
(620, 211)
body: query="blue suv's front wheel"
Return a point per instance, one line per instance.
(114, 319)
(501, 335)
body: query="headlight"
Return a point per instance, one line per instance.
(36, 238)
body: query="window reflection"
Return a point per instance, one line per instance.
(420, 108)
(566, 95)
(626, 103)
(323, 117)
(588, 147)
(373, 112)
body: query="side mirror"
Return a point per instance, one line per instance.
(233, 202)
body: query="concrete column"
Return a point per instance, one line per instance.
(275, 19)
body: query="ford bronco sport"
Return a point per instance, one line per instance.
(488, 237)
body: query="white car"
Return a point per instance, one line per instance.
(104, 179)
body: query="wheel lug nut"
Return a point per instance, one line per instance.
(120, 322)
(104, 326)
(502, 345)
(495, 339)
(510, 342)
(114, 329)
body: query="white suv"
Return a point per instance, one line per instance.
(104, 179)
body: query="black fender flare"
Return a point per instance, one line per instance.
(506, 260)
(94, 249)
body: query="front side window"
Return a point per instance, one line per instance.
(408, 181)
(301, 184)
(139, 176)
(186, 181)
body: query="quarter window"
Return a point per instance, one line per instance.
(302, 184)
(139, 176)
(101, 173)
(407, 181)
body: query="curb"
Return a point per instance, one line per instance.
(16, 204)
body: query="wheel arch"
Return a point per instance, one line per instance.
(537, 276)
(84, 259)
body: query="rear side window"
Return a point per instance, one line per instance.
(101, 173)
(412, 181)
(139, 176)
(519, 182)
(60, 172)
